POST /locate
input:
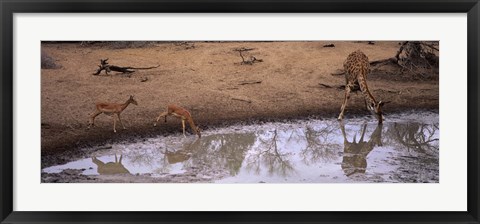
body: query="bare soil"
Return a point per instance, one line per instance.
(210, 81)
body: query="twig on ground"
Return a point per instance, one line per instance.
(250, 82)
(342, 87)
(244, 100)
(338, 72)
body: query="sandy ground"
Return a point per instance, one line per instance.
(207, 80)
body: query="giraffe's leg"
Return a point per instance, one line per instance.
(183, 125)
(119, 119)
(342, 128)
(344, 105)
(159, 116)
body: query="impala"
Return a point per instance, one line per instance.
(181, 113)
(111, 109)
(111, 167)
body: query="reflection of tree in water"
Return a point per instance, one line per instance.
(171, 156)
(220, 151)
(420, 141)
(319, 145)
(144, 156)
(415, 136)
(355, 153)
(268, 155)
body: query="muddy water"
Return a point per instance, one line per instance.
(404, 149)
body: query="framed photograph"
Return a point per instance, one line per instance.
(217, 111)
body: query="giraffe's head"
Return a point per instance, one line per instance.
(376, 109)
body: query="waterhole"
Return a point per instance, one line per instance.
(404, 149)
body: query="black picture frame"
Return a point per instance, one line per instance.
(9, 7)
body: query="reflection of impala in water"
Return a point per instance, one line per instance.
(177, 156)
(183, 154)
(110, 167)
(355, 153)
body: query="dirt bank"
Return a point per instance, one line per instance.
(209, 80)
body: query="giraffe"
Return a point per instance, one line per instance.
(357, 68)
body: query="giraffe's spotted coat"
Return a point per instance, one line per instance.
(357, 67)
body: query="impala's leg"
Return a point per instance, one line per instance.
(183, 125)
(114, 123)
(119, 119)
(159, 116)
(347, 95)
(363, 132)
(92, 118)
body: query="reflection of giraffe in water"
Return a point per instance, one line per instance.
(355, 153)
(110, 167)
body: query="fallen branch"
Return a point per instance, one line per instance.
(342, 87)
(329, 45)
(244, 100)
(249, 82)
(393, 60)
(252, 60)
(338, 72)
(104, 147)
(186, 44)
(400, 50)
(388, 91)
(249, 61)
(325, 85)
(104, 66)
(430, 46)
(243, 49)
